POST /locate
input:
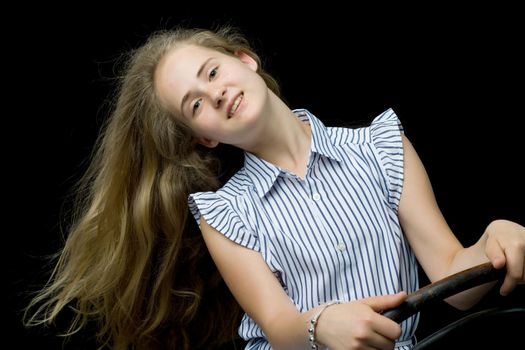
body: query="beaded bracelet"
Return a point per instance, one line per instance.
(313, 324)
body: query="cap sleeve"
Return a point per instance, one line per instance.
(385, 133)
(220, 214)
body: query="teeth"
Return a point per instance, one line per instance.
(236, 104)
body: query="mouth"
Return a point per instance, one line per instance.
(234, 106)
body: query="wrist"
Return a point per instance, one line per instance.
(313, 323)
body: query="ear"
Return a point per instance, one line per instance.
(207, 142)
(247, 59)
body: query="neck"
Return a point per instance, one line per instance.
(284, 141)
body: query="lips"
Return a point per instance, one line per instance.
(234, 104)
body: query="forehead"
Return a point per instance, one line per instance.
(177, 71)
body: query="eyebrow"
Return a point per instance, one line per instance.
(199, 72)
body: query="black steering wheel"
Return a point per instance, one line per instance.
(449, 286)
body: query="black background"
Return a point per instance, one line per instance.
(454, 77)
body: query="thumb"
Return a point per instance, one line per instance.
(495, 253)
(384, 302)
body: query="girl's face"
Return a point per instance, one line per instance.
(220, 97)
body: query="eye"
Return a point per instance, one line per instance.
(213, 72)
(196, 105)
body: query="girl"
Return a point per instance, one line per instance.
(316, 234)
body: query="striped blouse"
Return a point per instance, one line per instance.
(334, 235)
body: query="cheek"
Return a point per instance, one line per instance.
(207, 121)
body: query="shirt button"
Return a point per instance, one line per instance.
(341, 246)
(316, 196)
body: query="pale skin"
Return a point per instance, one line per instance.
(263, 125)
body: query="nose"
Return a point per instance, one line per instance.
(219, 96)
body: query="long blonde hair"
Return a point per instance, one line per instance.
(134, 262)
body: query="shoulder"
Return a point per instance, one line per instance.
(233, 195)
(239, 185)
(341, 135)
(366, 132)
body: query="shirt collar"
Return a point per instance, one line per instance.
(321, 141)
(263, 174)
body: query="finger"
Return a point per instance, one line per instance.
(377, 341)
(515, 270)
(508, 286)
(515, 263)
(373, 340)
(385, 302)
(495, 253)
(386, 327)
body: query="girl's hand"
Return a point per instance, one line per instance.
(359, 325)
(505, 246)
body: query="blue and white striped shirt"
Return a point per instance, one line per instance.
(334, 235)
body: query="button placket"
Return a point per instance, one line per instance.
(318, 198)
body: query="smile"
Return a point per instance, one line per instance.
(235, 105)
